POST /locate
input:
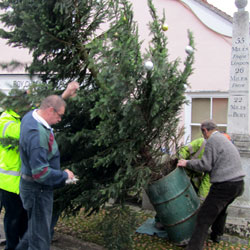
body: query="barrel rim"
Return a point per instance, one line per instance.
(166, 176)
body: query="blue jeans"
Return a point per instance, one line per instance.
(15, 218)
(38, 201)
(55, 217)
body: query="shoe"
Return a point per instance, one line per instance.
(159, 226)
(183, 246)
(55, 239)
(2, 242)
(215, 238)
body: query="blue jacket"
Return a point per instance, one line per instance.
(39, 153)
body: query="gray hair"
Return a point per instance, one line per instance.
(209, 125)
(54, 101)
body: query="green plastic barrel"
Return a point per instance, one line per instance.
(176, 204)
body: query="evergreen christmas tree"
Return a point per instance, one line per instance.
(128, 105)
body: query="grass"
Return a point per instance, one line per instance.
(87, 228)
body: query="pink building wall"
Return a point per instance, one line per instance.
(213, 50)
(9, 53)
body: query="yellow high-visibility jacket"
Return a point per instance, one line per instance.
(10, 162)
(195, 150)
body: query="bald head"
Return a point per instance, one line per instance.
(53, 101)
(52, 109)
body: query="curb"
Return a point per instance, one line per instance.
(67, 242)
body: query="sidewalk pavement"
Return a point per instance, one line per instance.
(234, 239)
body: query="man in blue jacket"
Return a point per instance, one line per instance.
(40, 170)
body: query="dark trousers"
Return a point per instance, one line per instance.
(213, 212)
(38, 201)
(15, 218)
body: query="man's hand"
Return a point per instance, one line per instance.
(182, 163)
(71, 89)
(70, 174)
(72, 179)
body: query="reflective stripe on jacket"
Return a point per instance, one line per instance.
(194, 150)
(10, 162)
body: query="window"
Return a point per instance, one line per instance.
(204, 108)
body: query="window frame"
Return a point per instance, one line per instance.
(188, 109)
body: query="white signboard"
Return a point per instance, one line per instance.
(21, 81)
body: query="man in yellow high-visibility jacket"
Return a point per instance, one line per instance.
(15, 218)
(200, 181)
